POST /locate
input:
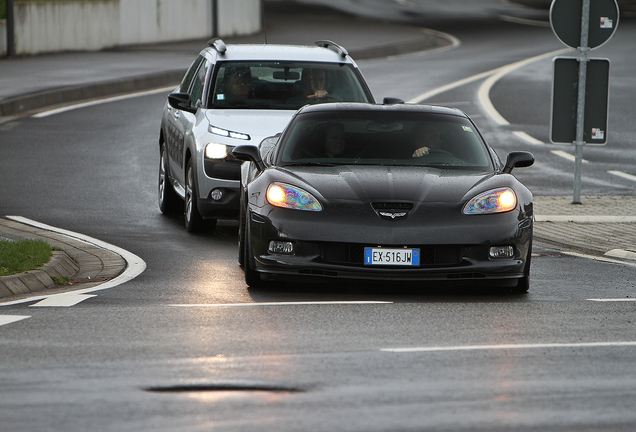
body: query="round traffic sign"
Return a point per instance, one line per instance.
(566, 18)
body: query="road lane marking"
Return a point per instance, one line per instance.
(510, 347)
(620, 253)
(566, 155)
(134, 264)
(51, 112)
(585, 218)
(613, 299)
(310, 303)
(623, 175)
(8, 319)
(530, 139)
(63, 300)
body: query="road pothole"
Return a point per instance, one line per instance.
(226, 387)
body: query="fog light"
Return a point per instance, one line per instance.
(281, 247)
(216, 194)
(502, 252)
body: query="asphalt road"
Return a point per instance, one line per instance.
(187, 346)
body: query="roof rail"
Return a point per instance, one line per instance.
(333, 46)
(218, 45)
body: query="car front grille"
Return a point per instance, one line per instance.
(353, 254)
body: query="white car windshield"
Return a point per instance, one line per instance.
(285, 85)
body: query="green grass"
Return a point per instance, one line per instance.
(23, 255)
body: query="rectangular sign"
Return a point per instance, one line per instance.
(565, 100)
(401, 257)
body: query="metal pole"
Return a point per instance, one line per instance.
(10, 29)
(580, 110)
(215, 18)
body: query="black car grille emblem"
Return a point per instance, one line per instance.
(392, 210)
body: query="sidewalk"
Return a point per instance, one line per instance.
(36, 82)
(598, 226)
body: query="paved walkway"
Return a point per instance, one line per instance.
(598, 226)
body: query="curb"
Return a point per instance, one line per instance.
(66, 95)
(59, 266)
(85, 264)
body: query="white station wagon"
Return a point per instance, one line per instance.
(240, 94)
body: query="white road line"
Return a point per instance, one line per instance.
(585, 219)
(8, 319)
(613, 299)
(623, 175)
(597, 258)
(510, 347)
(620, 253)
(529, 139)
(135, 265)
(281, 304)
(63, 300)
(499, 72)
(566, 155)
(100, 101)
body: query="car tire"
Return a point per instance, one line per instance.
(252, 277)
(192, 217)
(169, 201)
(241, 234)
(523, 284)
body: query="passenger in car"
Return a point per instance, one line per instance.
(314, 87)
(239, 87)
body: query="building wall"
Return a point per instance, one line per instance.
(45, 27)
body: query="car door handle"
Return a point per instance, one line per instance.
(177, 114)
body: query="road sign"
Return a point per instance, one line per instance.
(566, 18)
(565, 101)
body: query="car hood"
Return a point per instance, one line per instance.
(258, 124)
(386, 183)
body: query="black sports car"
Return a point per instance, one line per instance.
(383, 192)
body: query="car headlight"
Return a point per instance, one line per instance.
(287, 196)
(227, 133)
(493, 201)
(216, 151)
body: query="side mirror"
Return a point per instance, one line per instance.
(181, 101)
(392, 101)
(249, 153)
(518, 160)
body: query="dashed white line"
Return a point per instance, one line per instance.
(566, 155)
(8, 319)
(510, 347)
(623, 175)
(530, 139)
(62, 300)
(626, 299)
(319, 303)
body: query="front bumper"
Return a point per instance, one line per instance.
(451, 249)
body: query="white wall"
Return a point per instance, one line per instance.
(98, 24)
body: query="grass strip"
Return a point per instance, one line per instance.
(23, 255)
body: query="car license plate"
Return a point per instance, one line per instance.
(400, 257)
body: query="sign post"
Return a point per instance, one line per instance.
(597, 26)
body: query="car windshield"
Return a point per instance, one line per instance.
(384, 138)
(284, 85)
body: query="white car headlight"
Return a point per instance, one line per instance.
(287, 196)
(216, 151)
(493, 201)
(227, 133)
